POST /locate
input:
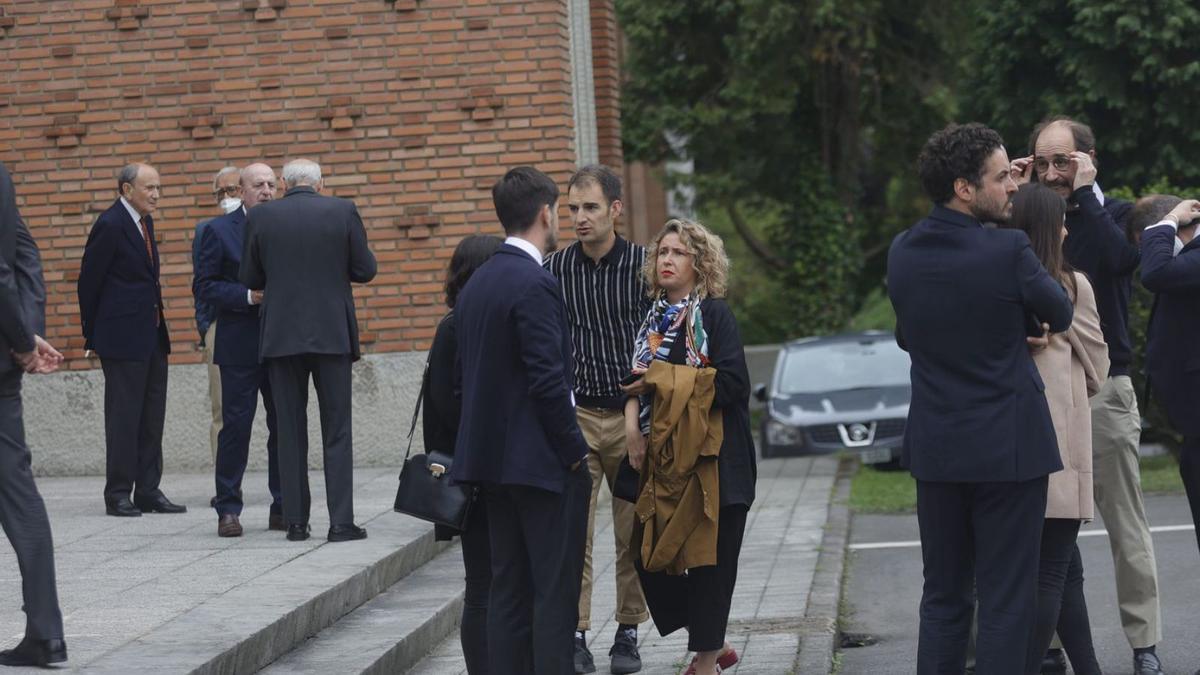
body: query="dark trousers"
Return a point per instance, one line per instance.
(537, 540)
(23, 516)
(984, 535)
(239, 404)
(477, 559)
(1189, 471)
(289, 386)
(135, 405)
(1061, 605)
(699, 600)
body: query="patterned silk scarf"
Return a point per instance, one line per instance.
(662, 328)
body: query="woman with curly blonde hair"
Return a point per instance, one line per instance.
(695, 455)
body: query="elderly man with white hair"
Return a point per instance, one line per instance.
(303, 251)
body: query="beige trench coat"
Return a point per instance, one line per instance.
(1074, 368)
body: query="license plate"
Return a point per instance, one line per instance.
(875, 455)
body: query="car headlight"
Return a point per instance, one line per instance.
(779, 433)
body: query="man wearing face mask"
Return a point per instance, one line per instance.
(120, 309)
(235, 351)
(227, 191)
(1064, 158)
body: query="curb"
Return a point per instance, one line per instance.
(819, 632)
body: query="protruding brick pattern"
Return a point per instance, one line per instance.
(6, 22)
(264, 10)
(414, 117)
(128, 14)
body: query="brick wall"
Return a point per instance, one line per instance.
(413, 108)
(607, 75)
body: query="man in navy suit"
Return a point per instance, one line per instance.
(120, 307)
(236, 353)
(22, 511)
(518, 437)
(979, 441)
(1172, 351)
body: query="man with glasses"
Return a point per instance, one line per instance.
(235, 351)
(227, 192)
(121, 312)
(1064, 159)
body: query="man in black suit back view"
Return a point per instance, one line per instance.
(22, 512)
(303, 251)
(979, 441)
(518, 436)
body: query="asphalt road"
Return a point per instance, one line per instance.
(883, 589)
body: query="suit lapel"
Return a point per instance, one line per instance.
(130, 227)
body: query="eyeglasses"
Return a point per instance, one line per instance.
(229, 191)
(1060, 163)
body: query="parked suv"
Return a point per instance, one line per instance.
(844, 392)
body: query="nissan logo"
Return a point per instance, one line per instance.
(858, 432)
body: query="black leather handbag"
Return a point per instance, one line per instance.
(425, 490)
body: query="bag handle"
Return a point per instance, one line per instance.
(421, 395)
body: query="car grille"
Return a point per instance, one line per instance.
(884, 429)
(825, 433)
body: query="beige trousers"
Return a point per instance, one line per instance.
(214, 387)
(1116, 431)
(604, 431)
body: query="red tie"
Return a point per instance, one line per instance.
(146, 238)
(150, 255)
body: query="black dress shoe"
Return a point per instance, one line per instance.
(122, 507)
(347, 533)
(159, 504)
(34, 653)
(297, 532)
(1054, 662)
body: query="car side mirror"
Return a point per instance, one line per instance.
(760, 392)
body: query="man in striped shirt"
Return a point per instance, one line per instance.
(605, 296)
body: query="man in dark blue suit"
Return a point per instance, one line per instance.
(979, 441)
(120, 308)
(518, 437)
(22, 511)
(1173, 340)
(236, 353)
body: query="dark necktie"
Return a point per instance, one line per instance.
(150, 255)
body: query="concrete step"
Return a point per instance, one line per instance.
(253, 624)
(392, 632)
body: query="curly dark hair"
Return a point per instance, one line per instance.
(958, 151)
(470, 253)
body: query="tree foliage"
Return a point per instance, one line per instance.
(1128, 68)
(803, 118)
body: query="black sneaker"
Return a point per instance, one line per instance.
(584, 663)
(624, 653)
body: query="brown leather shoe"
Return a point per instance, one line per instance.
(276, 523)
(228, 526)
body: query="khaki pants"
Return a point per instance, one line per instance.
(604, 431)
(214, 387)
(1116, 430)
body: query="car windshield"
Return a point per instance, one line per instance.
(839, 366)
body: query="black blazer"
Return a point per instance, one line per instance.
(737, 463)
(961, 294)
(120, 300)
(518, 424)
(215, 284)
(304, 250)
(22, 290)
(1173, 338)
(441, 409)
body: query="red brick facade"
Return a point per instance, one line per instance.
(413, 109)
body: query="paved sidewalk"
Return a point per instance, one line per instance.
(779, 558)
(121, 579)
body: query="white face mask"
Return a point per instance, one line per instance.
(230, 204)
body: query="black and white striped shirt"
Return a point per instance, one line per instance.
(606, 304)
